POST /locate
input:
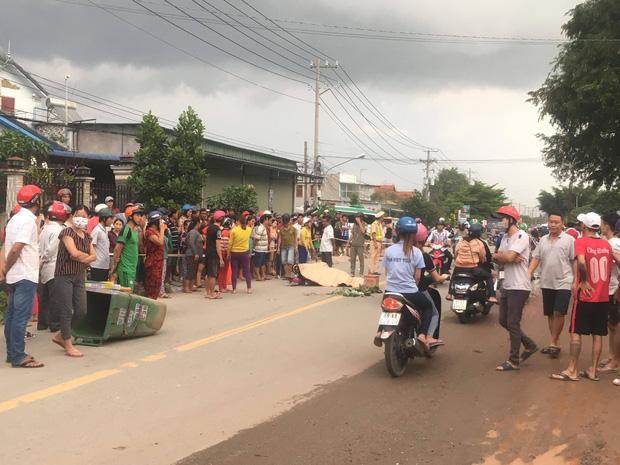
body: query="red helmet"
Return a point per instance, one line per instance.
(58, 211)
(509, 211)
(15, 209)
(64, 191)
(29, 196)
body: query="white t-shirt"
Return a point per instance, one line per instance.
(48, 249)
(327, 244)
(23, 228)
(613, 282)
(297, 227)
(516, 276)
(101, 244)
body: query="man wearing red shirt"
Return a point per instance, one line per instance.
(591, 297)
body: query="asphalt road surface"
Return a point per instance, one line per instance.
(290, 376)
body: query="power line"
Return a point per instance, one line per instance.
(185, 52)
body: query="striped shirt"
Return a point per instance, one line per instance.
(65, 265)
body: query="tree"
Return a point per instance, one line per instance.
(448, 182)
(581, 98)
(13, 144)
(484, 199)
(239, 198)
(567, 201)
(354, 199)
(419, 207)
(170, 171)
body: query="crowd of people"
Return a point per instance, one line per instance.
(577, 268)
(50, 251)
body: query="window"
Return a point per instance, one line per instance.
(7, 105)
(299, 190)
(347, 189)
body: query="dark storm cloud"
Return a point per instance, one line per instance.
(88, 36)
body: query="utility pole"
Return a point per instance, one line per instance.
(317, 65)
(305, 175)
(427, 170)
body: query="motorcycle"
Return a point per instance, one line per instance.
(398, 331)
(469, 296)
(439, 256)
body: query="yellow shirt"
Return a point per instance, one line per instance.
(305, 238)
(377, 229)
(239, 239)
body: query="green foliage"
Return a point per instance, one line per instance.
(238, 197)
(419, 207)
(13, 144)
(570, 201)
(47, 178)
(449, 193)
(581, 98)
(170, 171)
(354, 199)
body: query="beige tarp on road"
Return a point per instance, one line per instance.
(325, 276)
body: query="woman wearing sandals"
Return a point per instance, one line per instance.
(75, 252)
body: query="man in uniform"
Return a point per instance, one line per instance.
(376, 242)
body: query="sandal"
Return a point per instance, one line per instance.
(75, 354)
(616, 382)
(29, 362)
(586, 374)
(507, 366)
(563, 377)
(607, 369)
(528, 353)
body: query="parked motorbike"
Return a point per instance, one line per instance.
(439, 255)
(469, 294)
(398, 331)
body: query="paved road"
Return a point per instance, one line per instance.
(214, 369)
(289, 375)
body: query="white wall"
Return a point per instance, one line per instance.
(15, 85)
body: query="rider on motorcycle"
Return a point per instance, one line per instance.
(440, 235)
(474, 256)
(403, 263)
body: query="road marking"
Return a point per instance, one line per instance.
(57, 389)
(254, 324)
(129, 365)
(88, 379)
(154, 357)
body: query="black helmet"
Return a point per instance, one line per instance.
(475, 230)
(154, 217)
(139, 209)
(105, 213)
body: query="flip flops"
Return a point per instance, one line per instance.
(585, 374)
(616, 382)
(563, 377)
(507, 366)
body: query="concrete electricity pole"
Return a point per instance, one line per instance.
(317, 65)
(427, 170)
(305, 175)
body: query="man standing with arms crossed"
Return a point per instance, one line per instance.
(514, 254)
(555, 254)
(591, 298)
(376, 242)
(20, 269)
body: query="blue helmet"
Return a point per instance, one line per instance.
(407, 225)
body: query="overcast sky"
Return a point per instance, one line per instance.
(466, 97)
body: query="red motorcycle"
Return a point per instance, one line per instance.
(439, 254)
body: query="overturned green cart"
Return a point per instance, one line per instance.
(112, 314)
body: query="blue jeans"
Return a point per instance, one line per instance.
(19, 312)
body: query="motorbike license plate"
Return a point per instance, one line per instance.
(389, 319)
(459, 304)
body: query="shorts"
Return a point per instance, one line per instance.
(192, 267)
(212, 266)
(287, 255)
(556, 300)
(126, 279)
(614, 311)
(260, 258)
(590, 318)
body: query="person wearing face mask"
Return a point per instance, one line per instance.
(75, 253)
(514, 254)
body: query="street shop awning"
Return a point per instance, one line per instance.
(107, 157)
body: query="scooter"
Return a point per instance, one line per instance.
(439, 255)
(398, 330)
(469, 296)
